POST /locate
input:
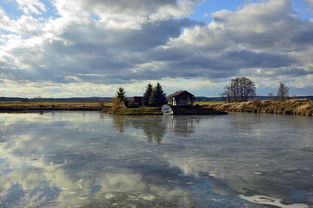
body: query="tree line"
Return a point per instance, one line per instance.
(154, 96)
(241, 89)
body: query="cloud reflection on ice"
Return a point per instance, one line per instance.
(91, 159)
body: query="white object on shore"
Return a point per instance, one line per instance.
(167, 110)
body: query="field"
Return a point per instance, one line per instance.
(294, 107)
(26, 106)
(208, 102)
(204, 102)
(47, 106)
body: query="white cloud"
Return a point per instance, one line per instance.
(126, 14)
(266, 35)
(31, 6)
(5, 21)
(181, 9)
(126, 42)
(24, 25)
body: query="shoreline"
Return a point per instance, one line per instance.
(46, 107)
(300, 107)
(178, 110)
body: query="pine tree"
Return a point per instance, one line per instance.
(158, 97)
(121, 94)
(147, 95)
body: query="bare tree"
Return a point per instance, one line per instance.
(239, 90)
(282, 93)
(271, 96)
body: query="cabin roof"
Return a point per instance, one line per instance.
(178, 93)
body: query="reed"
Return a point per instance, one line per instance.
(302, 107)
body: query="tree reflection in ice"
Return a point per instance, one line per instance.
(155, 127)
(93, 160)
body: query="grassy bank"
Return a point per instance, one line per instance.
(52, 106)
(187, 110)
(208, 102)
(196, 110)
(294, 107)
(137, 111)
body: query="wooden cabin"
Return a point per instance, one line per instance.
(181, 98)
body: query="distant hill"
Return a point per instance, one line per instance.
(73, 99)
(257, 97)
(307, 97)
(208, 99)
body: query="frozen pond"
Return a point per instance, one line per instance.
(90, 159)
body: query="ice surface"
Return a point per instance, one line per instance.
(89, 159)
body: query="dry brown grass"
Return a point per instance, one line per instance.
(49, 106)
(295, 106)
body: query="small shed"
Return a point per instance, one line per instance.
(181, 98)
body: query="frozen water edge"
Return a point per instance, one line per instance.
(258, 199)
(68, 159)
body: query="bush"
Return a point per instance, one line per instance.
(131, 104)
(117, 105)
(295, 107)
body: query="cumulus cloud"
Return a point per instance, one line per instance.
(31, 6)
(124, 13)
(265, 35)
(90, 52)
(25, 25)
(125, 42)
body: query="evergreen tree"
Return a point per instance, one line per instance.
(147, 95)
(158, 97)
(121, 94)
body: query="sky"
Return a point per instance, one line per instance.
(84, 48)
